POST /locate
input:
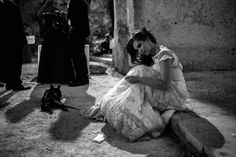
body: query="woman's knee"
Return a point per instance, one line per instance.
(141, 68)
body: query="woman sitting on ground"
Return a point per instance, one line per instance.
(145, 99)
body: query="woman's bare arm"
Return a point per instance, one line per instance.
(162, 84)
(131, 64)
(165, 70)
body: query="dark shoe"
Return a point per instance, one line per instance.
(7, 87)
(20, 88)
(1, 84)
(77, 83)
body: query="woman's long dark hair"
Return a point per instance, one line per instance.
(141, 34)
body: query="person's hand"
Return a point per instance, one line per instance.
(132, 79)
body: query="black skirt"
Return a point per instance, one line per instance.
(55, 65)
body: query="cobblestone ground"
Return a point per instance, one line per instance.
(25, 131)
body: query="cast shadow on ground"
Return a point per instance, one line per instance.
(216, 88)
(4, 96)
(162, 146)
(21, 110)
(69, 125)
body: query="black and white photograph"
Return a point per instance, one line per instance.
(117, 78)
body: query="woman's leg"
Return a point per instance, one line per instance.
(126, 109)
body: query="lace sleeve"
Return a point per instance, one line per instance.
(164, 55)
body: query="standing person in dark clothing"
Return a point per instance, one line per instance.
(79, 30)
(12, 43)
(54, 65)
(2, 57)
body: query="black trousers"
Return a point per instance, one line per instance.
(78, 57)
(14, 65)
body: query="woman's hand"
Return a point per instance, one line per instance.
(133, 79)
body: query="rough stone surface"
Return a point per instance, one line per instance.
(201, 32)
(197, 131)
(121, 32)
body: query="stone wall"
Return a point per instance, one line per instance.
(201, 32)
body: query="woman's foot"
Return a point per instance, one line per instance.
(93, 111)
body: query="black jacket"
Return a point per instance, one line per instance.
(12, 25)
(78, 15)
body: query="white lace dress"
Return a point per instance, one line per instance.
(134, 109)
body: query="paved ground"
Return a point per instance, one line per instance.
(212, 95)
(25, 131)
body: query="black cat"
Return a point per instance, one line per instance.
(52, 100)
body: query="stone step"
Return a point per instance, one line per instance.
(105, 60)
(197, 133)
(107, 55)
